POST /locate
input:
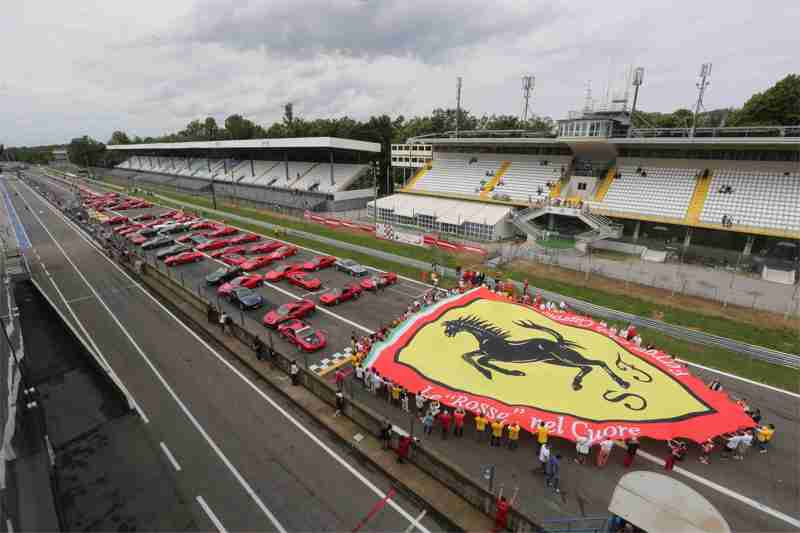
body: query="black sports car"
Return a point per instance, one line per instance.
(246, 298)
(157, 242)
(172, 250)
(223, 274)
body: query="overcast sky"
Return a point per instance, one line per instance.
(150, 66)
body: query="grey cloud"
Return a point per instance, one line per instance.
(427, 31)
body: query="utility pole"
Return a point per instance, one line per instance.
(638, 79)
(527, 87)
(213, 192)
(702, 84)
(458, 104)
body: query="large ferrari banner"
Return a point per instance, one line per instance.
(483, 352)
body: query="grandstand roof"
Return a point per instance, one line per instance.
(447, 210)
(637, 141)
(281, 144)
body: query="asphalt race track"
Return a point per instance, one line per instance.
(770, 479)
(240, 456)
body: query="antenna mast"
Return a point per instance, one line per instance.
(528, 83)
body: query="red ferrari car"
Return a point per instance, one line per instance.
(288, 311)
(302, 335)
(205, 224)
(320, 261)
(301, 279)
(256, 262)
(233, 259)
(282, 271)
(188, 236)
(251, 281)
(245, 238)
(120, 229)
(113, 221)
(379, 281)
(224, 232)
(336, 296)
(138, 238)
(229, 250)
(144, 217)
(215, 244)
(283, 252)
(265, 247)
(182, 259)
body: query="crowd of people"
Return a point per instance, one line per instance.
(436, 418)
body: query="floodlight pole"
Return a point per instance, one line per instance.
(527, 86)
(702, 84)
(458, 104)
(375, 168)
(638, 79)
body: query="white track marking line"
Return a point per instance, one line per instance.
(301, 427)
(171, 457)
(726, 491)
(211, 515)
(9, 526)
(415, 524)
(745, 380)
(80, 299)
(243, 482)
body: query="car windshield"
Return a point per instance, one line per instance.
(336, 292)
(308, 335)
(348, 262)
(242, 292)
(283, 310)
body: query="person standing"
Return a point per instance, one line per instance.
(403, 447)
(339, 403)
(359, 370)
(744, 445)
(258, 348)
(582, 446)
(632, 448)
(294, 373)
(480, 426)
(677, 451)
(419, 400)
(368, 379)
(603, 452)
(501, 514)
(395, 394)
(553, 472)
(705, 451)
(458, 419)
(223, 321)
(513, 436)
(544, 457)
(404, 399)
(339, 379)
(386, 434)
(764, 436)
(542, 433)
(497, 433)
(444, 420)
(427, 423)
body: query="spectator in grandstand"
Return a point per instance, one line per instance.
(473, 160)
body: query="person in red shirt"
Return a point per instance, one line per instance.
(444, 420)
(403, 446)
(339, 379)
(501, 516)
(537, 301)
(458, 418)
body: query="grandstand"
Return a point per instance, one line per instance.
(306, 173)
(735, 189)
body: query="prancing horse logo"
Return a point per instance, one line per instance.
(493, 345)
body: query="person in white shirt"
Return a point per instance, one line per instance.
(544, 455)
(360, 373)
(582, 446)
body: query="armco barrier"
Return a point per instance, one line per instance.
(426, 460)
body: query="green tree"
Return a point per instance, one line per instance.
(239, 127)
(778, 105)
(210, 128)
(119, 137)
(85, 151)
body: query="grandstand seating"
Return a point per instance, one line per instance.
(303, 175)
(768, 200)
(453, 173)
(526, 177)
(656, 191)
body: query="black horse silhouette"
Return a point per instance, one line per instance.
(493, 345)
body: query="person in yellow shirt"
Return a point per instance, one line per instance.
(480, 426)
(764, 435)
(497, 433)
(396, 394)
(541, 434)
(513, 436)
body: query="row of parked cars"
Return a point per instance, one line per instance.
(243, 253)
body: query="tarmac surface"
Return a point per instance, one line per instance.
(758, 494)
(241, 460)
